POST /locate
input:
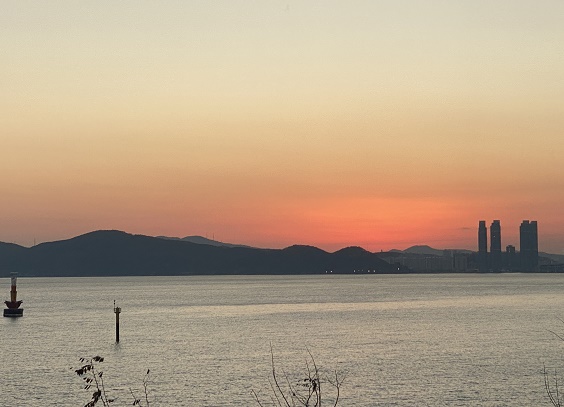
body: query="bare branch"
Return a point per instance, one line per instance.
(337, 385)
(256, 397)
(305, 392)
(275, 378)
(553, 393)
(145, 388)
(136, 401)
(94, 380)
(557, 335)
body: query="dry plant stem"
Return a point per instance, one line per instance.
(90, 375)
(316, 382)
(105, 400)
(94, 378)
(145, 381)
(552, 392)
(276, 380)
(306, 392)
(256, 397)
(274, 395)
(337, 385)
(137, 401)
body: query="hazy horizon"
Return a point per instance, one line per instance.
(380, 124)
(219, 241)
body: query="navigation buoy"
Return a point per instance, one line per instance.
(13, 305)
(117, 311)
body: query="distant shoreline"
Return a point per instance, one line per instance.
(107, 253)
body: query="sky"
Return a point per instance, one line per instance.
(381, 124)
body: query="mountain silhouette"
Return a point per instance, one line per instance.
(116, 253)
(423, 249)
(202, 240)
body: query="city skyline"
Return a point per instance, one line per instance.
(377, 124)
(528, 241)
(525, 259)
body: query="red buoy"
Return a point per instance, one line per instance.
(13, 305)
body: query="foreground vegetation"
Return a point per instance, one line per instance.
(93, 379)
(306, 389)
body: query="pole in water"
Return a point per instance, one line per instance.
(117, 311)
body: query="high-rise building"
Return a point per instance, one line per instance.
(482, 246)
(495, 245)
(529, 241)
(510, 262)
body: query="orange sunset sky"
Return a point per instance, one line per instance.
(382, 124)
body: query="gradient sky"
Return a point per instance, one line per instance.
(382, 124)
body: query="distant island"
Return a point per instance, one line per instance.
(117, 253)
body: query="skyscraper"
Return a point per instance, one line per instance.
(482, 246)
(495, 245)
(529, 241)
(510, 262)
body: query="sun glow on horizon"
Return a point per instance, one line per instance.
(382, 125)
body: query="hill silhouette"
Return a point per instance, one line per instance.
(116, 253)
(203, 240)
(423, 249)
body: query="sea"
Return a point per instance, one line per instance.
(393, 340)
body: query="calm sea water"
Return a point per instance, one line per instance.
(410, 340)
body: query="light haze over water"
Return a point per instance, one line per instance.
(401, 340)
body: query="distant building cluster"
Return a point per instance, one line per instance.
(527, 259)
(486, 259)
(447, 261)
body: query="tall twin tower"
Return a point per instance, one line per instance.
(526, 260)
